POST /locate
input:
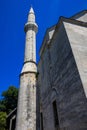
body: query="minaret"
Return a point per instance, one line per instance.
(26, 110)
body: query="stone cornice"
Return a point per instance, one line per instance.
(31, 26)
(30, 62)
(27, 73)
(73, 21)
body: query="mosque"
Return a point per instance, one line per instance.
(53, 94)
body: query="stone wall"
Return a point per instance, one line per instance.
(60, 81)
(78, 40)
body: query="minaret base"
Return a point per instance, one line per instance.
(26, 113)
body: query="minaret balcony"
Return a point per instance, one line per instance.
(29, 67)
(31, 26)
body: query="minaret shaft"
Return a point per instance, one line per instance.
(26, 110)
(30, 46)
(26, 113)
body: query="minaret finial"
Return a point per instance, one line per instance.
(31, 10)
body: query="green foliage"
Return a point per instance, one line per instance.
(9, 100)
(2, 120)
(2, 106)
(7, 104)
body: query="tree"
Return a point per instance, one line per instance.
(2, 120)
(9, 100)
(2, 106)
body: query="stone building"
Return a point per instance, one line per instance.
(58, 100)
(62, 78)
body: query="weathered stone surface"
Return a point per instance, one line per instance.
(78, 40)
(62, 77)
(26, 118)
(26, 110)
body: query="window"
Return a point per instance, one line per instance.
(56, 121)
(41, 121)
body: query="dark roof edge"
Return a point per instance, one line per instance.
(73, 21)
(77, 14)
(56, 26)
(45, 36)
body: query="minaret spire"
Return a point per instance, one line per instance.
(30, 30)
(30, 45)
(31, 10)
(26, 111)
(31, 16)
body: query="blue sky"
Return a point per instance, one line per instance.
(13, 16)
